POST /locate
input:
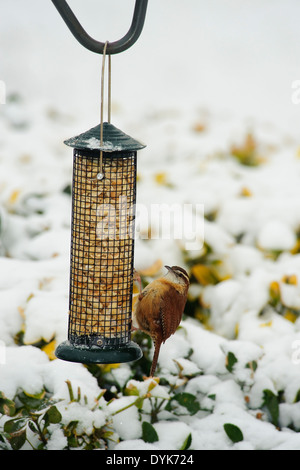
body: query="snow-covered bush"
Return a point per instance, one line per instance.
(229, 377)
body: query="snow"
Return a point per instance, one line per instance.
(58, 440)
(23, 368)
(93, 143)
(277, 236)
(88, 419)
(190, 103)
(122, 419)
(171, 440)
(135, 444)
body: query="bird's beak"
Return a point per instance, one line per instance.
(168, 268)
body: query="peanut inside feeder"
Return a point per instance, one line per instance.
(102, 248)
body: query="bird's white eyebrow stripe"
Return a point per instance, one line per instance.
(180, 273)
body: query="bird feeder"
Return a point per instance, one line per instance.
(102, 247)
(102, 229)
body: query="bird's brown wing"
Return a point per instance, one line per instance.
(159, 312)
(171, 311)
(148, 310)
(164, 305)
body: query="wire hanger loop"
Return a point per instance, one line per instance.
(96, 46)
(101, 175)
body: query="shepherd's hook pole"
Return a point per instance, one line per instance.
(96, 46)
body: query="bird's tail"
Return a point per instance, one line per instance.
(155, 358)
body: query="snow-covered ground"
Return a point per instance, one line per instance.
(201, 77)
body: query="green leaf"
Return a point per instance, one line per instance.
(73, 441)
(297, 397)
(16, 430)
(186, 400)
(32, 402)
(67, 189)
(230, 361)
(212, 396)
(148, 432)
(233, 432)
(71, 428)
(139, 403)
(17, 440)
(7, 407)
(271, 401)
(32, 427)
(187, 442)
(15, 425)
(70, 433)
(131, 390)
(52, 416)
(252, 365)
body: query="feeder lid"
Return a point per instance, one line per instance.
(114, 140)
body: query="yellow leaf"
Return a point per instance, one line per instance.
(37, 396)
(108, 367)
(245, 192)
(205, 275)
(199, 127)
(296, 248)
(267, 324)
(291, 279)
(203, 318)
(49, 349)
(274, 292)
(247, 153)
(31, 295)
(21, 311)
(153, 383)
(131, 389)
(135, 288)
(160, 178)
(25, 158)
(153, 269)
(14, 196)
(291, 316)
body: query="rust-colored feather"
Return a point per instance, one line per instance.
(159, 312)
(172, 307)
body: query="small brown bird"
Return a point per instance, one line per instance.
(160, 307)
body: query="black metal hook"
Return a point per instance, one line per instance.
(96, 46)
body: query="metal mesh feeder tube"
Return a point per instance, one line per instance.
(102, 248)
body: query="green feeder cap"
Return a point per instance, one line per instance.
(129, 352)
(114, 140)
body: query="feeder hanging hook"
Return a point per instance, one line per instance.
(96, 46)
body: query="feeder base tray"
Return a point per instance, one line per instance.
(96, 355)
